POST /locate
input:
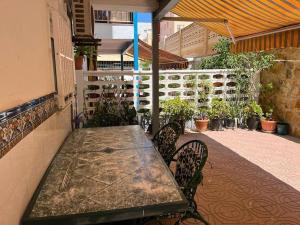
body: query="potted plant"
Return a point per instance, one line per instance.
(230, 118)
(268, 124)
(178, 110)
(201, 120)
(204, 89)
(282, 128)
(80, 51)
(253, 113)
(217, 113)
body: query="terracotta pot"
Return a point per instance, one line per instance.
(268, 126)
(78, 62)
(201, 125)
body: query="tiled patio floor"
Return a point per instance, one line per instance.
(254, 179)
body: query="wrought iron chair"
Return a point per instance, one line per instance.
(191, 158)
(165, 141)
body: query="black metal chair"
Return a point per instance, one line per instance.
(191, 158)
(165, 141)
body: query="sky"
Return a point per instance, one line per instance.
(144, 17)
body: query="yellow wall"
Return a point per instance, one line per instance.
(25, 55)
(22, 168)
(25, 74)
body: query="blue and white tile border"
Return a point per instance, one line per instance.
(16, 123)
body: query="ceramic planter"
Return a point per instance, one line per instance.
(282, 128)
(268, 126)
(201, 125)
(252, 123)
(230, 123)
(216, 124)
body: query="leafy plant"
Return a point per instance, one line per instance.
(113, 110)
(266, 94)
(245, 66)
(201, 114)
(253, 110)
(219, 109)
(205, 89)
(219, 61)
(179, 110)
(88, 51)
(232, 111)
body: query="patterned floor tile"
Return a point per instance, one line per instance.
(243, 182)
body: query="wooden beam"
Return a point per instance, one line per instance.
(164, 7)
(202, 20)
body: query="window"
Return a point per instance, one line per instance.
(102, 16)
(114, 65)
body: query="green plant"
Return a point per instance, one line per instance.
(179, 110)
(205, 89)
(219, 109)
(88, 51)
(201, 114)
(219, 61)
(232, 111)
(112, 111)
(146, 65)
(253, 110)
(266, 95)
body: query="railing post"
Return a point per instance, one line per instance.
(155, 75)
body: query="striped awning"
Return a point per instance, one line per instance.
(245, 18)
(167, 60)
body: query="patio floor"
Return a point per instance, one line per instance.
(254, 178)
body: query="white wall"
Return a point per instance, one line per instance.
(113, 31)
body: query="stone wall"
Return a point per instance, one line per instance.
(285, 76)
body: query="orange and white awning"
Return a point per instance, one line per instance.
(247, 20)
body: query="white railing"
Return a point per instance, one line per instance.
(91, 85)
(176, 83)
(137, 86)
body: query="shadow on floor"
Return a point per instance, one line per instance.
(235, 191)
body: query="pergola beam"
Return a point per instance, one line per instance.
(164, 7)
(202, 20)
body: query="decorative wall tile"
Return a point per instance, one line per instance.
(18, 122)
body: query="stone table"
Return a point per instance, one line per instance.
(102, 175)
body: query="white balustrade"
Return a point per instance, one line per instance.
(137, 86)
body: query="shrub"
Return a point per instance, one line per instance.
(177, 109)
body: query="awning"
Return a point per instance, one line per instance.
(167, 60)
(248, 20)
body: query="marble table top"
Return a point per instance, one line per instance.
(103, 175)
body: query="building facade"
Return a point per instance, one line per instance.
(192, 41)
(167, 28)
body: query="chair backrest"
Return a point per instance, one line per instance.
(165, 140)
(191, 158)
